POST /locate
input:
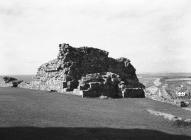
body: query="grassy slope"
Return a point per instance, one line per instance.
(67, 116)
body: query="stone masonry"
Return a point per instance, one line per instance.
(88, 72)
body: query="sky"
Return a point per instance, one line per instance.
(154, 34)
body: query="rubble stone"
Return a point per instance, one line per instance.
(90, 72)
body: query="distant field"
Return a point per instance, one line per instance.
(173, 82)
(147, 79)
(148, 82)
(178, 79)
(165, 75)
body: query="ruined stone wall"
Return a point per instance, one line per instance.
(73, 64)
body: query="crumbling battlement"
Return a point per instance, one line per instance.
(72, 65)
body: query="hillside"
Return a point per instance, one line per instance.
(30, 114)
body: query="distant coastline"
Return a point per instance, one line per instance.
(26, 78)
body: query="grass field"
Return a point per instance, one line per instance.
(147, 79)
(173, 83)
(29, 114)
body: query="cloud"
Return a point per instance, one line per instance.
(11, 11)
(152, 33)
(12, 8)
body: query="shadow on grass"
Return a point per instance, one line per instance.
(59, 133)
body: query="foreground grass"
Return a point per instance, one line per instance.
(63, 133)
(30, 114)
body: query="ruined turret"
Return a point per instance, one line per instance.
(73, 66)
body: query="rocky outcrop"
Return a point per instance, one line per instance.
(8, 81)
(90, 72)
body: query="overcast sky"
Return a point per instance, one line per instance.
(154, 34)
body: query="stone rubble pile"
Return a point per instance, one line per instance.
(88, 72)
